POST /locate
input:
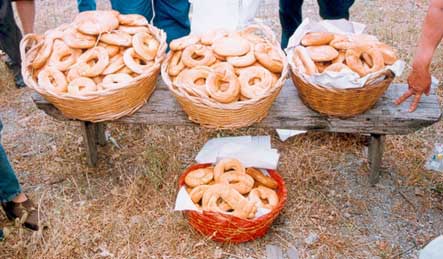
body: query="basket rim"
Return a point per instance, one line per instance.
(209, 102)
(34, 40)
(273, 173)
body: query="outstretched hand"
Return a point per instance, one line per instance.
(419, 82)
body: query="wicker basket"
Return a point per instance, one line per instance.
(226, 228)
(211, 114)
(342, 103)
(106, 105)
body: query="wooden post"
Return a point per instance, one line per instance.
(89, 132)
(100, 131)
(375, 155)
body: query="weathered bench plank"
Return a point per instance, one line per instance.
(290, 113)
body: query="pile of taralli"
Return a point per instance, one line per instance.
(99, 50)
(324, 51)
(225, 67)
(232, 189)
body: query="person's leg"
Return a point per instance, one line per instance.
(335, 9)
(173, 17)
(290, 13)
(86, 5)
(142, 7)
(10, 36)
(13, 200)
(26, 12)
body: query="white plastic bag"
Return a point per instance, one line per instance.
(226, 14)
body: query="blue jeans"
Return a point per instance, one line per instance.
(291, 16)
(170, 15)
(9, 185)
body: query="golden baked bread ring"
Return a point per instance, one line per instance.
(269, 57)
(199, 176)
(98, 80)
(78, 40)
(255, 82)
(43, 53)
(193, 80)
(223, 67)
(117, 38)
(245, 60)
(322, 53)
(111, 49)
(133, 29)
(243, 183)
(198, 55)
(389, 54)
(249, 34)
(114, 80)
(125, 70)
(132, 20)
(227, 164)
(82, 85)
(354, 62)
(260, 194)
(115, 64)
(308, 63)
(336, 67)
(341, 42)
(54, 34)
(176, 64)
(145, 45)
(367, 59)
(208, 38)
(63, 57)
(96, 22)
(196, 193)
(261, 178)
(242, 207)
(317, 38)
(231, 46)
(223, 87)
(183, 42)
(52, 79)
(93, 62)
(135, 63)
(72, 74)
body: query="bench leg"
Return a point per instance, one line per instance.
(100, 131)
(89, 131)
(375, 155)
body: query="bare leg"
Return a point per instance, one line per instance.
(26, 12)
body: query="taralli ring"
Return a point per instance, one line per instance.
(193, 80)
(111, 49)
(322, 53)
(78, 40)
(53, 79)
(243, 183)
(132, 19)
(199, 177)
(224, 88)
(133, 29)
(263, 197)
(243, 61)
(255, 81)
(115, 64)
(354, 62)
(227, 164)
(118, 38)
(135, 63)
(210, 37)
(198, 55)
(268, 57)
(114, 80)
(145, 45)
(82, 85)
(43, 53)
(96, 22)
(181, 43)
(231, 46)
(317, 38)
(63, 57)
(176, 65)
(308, 63)
(197, 193)
(93, 62)
(261, 178)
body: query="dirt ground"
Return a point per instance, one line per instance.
(123, 208)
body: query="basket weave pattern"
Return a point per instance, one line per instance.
(225, 228)
(211, 114)
(106, 105)
(343, 103)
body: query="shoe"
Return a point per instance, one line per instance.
(19, 82)
(25, 209)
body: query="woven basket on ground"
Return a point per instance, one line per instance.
(343, 103)
(225, 228)
(106, 105)
(212, 114)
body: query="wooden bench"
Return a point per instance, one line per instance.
(288, 112)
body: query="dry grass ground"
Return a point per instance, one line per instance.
(123, 208)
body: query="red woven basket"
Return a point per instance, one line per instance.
(225, 228)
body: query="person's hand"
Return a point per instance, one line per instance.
(419, 82)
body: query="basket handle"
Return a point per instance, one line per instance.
(34, 41)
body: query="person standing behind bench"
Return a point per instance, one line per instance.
(170, 15)
(10, 34)
(290, 13)
(419, 79)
